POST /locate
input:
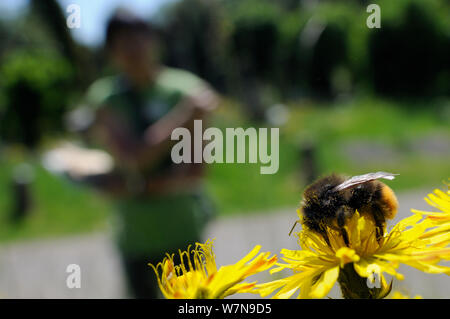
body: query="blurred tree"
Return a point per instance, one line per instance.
(36, 90)
(330, 72)
(409, 54)
(52, 15)
(43, 71)
(290, 4)
(54, 19)
(254, 45)
(292, 56)
(195, 39)
(255, 37)
(4, 34)
(323, 64)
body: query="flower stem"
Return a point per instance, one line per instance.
(355, 287)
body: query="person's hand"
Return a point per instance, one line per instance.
(181, 179)
(192, 107)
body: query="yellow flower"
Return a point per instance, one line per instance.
(197, 277)
(441, 201)
(317, 266)
(399, 295)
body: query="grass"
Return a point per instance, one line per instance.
(59, 207)
(62, 208)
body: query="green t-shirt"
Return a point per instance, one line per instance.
(149, 225)
(142, 108)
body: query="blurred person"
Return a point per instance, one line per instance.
(160, 206)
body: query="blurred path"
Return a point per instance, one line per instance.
(38, 269)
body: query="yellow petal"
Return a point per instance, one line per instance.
(267, 288)
(324, 284)
(346, 255)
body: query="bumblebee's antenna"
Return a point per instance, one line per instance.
(295, 224)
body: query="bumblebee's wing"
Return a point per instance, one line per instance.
(360, 179)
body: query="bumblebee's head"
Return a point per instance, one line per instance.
(322, 190)
(320, 198)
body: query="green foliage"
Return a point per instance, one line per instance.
(195, 34)
(36, 89)
(325, 51)
(255, 37)
(38, 70)
(329, 54)
(408, 55)
(291, 56)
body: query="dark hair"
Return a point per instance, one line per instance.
(124, 20)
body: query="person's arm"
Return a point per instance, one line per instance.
(148, 150)
(156, 140)
(115, 136)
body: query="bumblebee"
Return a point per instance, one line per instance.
(331, 200)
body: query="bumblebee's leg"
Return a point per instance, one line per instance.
(379, 221)
(322, 231)
(325, 237)
(341, 215)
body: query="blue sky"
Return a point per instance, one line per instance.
(94, 14)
